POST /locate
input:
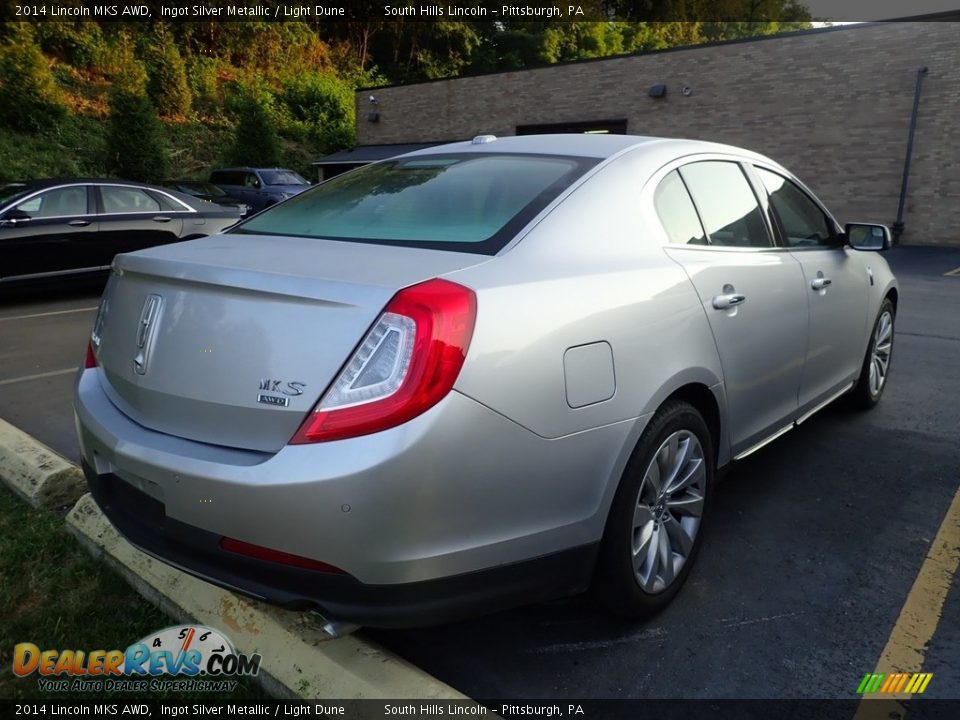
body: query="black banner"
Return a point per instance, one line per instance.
(918, 709)
(468, 10)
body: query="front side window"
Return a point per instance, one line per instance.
(726, 203)
(803, 222)
(127, 200)
(677, 213)
(464, 202)
(62, 202)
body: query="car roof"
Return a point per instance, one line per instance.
(600, 146)
(41, 183)
(248, 167)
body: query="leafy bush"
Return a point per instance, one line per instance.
(321, 108)
(78, 43)
(118, 61)
(203, 75)
(136, 149)
(30, 98)
(72, 147)
(255, 138)
(168, 79)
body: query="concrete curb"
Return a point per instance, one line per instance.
(299, 660)
(35, 472)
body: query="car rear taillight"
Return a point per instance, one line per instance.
(277, 556)
(406, 364)
(91, 359)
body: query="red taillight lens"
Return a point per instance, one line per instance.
(407, 363)
(91, 359)
(276, 556)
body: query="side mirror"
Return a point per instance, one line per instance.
(14, 217)
(867, 236)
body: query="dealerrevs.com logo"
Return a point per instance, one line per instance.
(197, 657)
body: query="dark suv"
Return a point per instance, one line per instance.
(259, 187)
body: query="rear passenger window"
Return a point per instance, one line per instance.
(677, 213)
(226, 177)
(127, 200)
(726, 203)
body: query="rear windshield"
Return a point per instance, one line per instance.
(282, 177)
(463, 202)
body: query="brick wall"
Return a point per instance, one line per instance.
(833, 106)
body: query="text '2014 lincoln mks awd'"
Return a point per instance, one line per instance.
(476, 375)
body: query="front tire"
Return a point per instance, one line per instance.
(876, 364)
(654, 530)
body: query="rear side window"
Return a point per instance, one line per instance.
(226, 177)
(677, 213)
(463, 202)
(726, 203)
(127, 200)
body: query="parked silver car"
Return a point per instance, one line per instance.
(476, 375)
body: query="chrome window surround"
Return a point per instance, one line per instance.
(746, 163)
(32, 195)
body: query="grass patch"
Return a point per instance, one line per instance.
(54, 594)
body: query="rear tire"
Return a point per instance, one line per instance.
(876, 363)
(655, 525)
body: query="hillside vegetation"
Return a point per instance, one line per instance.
(148, 100)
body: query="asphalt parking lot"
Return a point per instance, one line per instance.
(814, 544)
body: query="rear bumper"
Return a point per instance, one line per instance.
(142, 520)
(455, 512)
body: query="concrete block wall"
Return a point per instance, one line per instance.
(832, 106)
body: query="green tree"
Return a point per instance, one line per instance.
(322, 107)
(168, 84)
(136, 149)
(30, 98)
(255, 138)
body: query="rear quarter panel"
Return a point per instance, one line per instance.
(585, 274)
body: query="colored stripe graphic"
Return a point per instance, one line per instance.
(893, 683)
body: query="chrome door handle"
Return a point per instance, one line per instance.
(820, 283)
(79, 223)
(722, 302)
(161, 219)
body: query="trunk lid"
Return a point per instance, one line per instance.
(232, 339)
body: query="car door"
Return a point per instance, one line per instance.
(837, 289)
(133, 218)
(752, 293)
(257, 195)
(50, 233)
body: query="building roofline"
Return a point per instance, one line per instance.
(941, 16)
(642, 53)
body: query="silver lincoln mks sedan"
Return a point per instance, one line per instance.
(477, 375)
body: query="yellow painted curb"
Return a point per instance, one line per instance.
(35, 472)
(299, 659)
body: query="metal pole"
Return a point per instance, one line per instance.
(898, 225)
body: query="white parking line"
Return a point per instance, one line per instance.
(47, 314)
(38, 376)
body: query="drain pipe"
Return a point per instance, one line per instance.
(898, 225)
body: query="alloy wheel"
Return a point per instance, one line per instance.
(882, 347)
(668, 511)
